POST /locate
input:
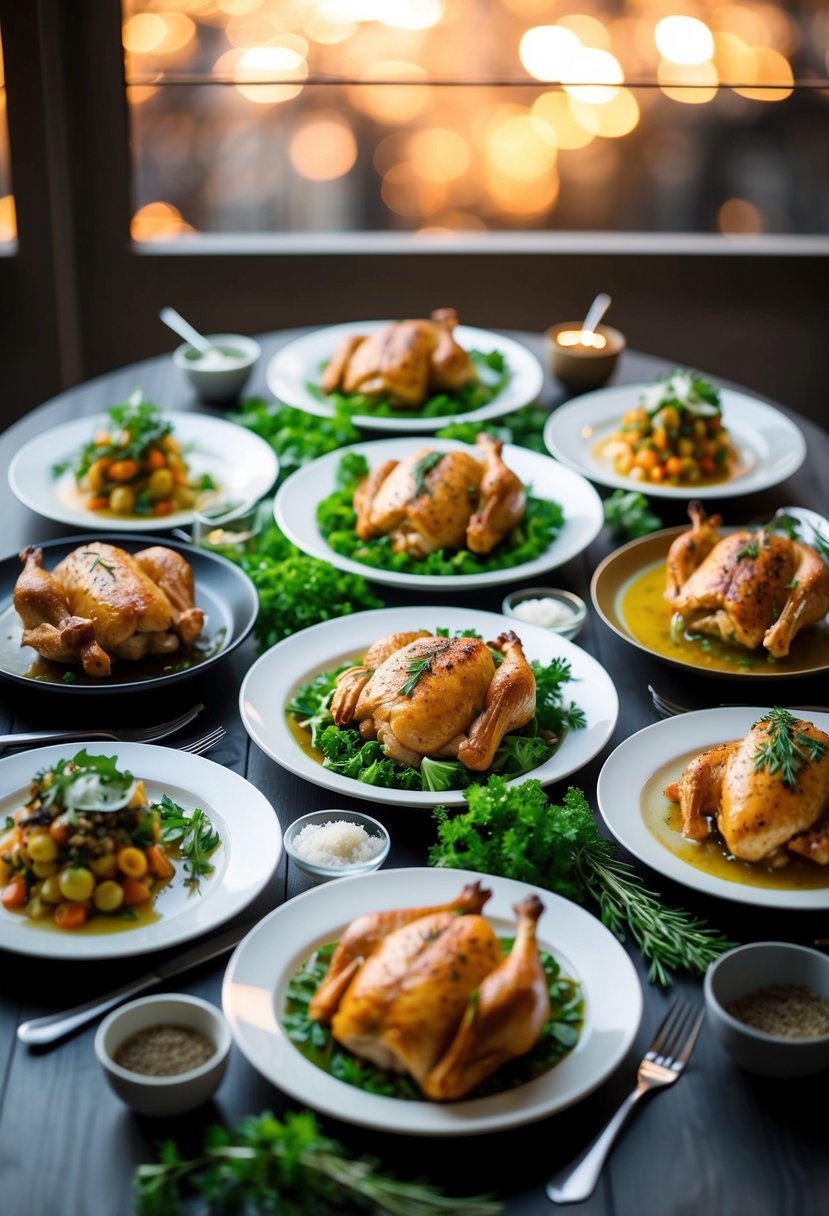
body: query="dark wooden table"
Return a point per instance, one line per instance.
(719, 1142)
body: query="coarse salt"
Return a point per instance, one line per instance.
(336, 844)
(547, 612)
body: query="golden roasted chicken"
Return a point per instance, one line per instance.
(756, 589)
(763, 810)
(405, 362)
(422, 695)
(427, 991)
(434, 500)
(101, 604)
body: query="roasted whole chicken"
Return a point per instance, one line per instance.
(399, 992)
(756, 589)
(101, 604)
(422, 695)
(405, 362)
(434, 500)
(761, 816)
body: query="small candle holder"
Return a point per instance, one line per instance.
(583, 359)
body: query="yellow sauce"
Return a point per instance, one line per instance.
(711, 856)
(647, 617)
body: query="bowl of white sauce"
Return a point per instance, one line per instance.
(550, 607)
(220, 373)
(336, 844)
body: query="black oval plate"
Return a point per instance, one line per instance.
(223, 590)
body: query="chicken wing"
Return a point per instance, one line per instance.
(502, 499)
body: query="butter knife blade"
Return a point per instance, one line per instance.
(39, 1032)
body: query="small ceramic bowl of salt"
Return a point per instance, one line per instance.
(336, 844)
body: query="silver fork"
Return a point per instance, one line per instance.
(669, 709)
(661, 1065)
(198, 746)
(139, 734)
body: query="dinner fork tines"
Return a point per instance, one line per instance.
(138, 734)
(661, 1065)
(204, 744)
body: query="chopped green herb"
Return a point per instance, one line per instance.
(628, 514)
(751, 549)
(418, 667)
(787, 750)
(422, 469)
(194, 834)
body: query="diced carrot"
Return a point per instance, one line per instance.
(163, 508)
(646, 458)
(70, 915)
(673, 466)
(155, 459)
(135, 891)
(98, 503)
(122, 470)
(160, 863)
(14, 893)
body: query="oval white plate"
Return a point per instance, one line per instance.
(771, 447)
(295, 508)
(268, 683)
(635, 761)
(299, 363)
(238, 460)
(260, 967)
(244, 861)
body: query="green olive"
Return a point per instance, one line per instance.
(122, 500)
(160, 484)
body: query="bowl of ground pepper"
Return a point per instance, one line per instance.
(164, 1054)
(768, 1005)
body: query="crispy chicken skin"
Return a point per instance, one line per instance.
(399, 992)
(101, 603)
(756, 589)
(431, 501)
(758, 815)
(459, 705)
(405, 362)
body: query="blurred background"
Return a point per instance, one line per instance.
(263, 164)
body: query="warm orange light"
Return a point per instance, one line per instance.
(523, 199)
(252, 29)
(702, 77)
(588, 72)
(397, 103)
(568, 131)
(236, 8)
(158, 221)
(546, 51)
(402, 14)
(439, 154)
(323, 148)
(589, 30)
(739, 217)
(144, 33)
(521, 148)
(257, 64)
(768, 68)
(137, 94)
(407, 194)
(611, 121)
(8, 218)
(684, 40)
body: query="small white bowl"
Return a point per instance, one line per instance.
(575, 608)
(163, 1096)
(744, 970)
(326, 873)
(224, 380)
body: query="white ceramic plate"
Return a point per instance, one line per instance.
(771, 447)
(273, 677)
(262, 964)
(251, 845)
(296, 502)
(238, 460)
(299, 363)
(635, 762)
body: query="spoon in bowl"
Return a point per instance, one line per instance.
(587, 336)
(185, 330)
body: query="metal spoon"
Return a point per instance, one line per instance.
(185, 330)
(594, 315)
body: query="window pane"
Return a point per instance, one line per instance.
(258, 116)
(8, 218)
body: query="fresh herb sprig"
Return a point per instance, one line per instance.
(628, 514)
(419, 667)
(64, 773)
(295, 436)
(516, 832)
(786, 750)
(194, 834)
(422, 469)
(284, 1167)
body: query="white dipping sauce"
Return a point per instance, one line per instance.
(546, 611)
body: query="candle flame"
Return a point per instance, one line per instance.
(582, 337)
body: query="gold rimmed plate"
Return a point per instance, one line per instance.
(627, 593)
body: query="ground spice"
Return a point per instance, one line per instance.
(164, 1051)
(784, 1010)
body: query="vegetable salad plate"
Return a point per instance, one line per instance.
(253, 996)
(224, 592)
(231, 457)
(274, 679)
(294, 374)
(297, 501)
(632, 803)
(769, 446)
(246, 857)
(627, 592)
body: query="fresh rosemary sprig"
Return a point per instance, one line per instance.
(422, 468)
(97, 560)
(418, 667)
(786, 750)
(752, 549)
(286, 1168)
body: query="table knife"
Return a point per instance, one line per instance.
(41, 1031)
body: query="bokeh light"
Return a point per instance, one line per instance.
(323, 148)
(739, 217)
(684, 40)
